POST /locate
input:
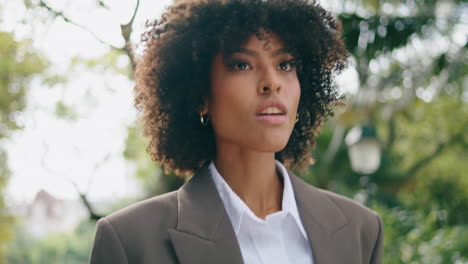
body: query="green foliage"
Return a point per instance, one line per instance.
(64, 111)
(414, 237)
(150, 175)
(7, 220)
(113, 60)
(54, 80)
(18, 64)
(147, 172)
(367, 37)
(73, 247)
(420, 188)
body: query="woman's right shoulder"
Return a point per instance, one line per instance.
(137, 233)
(159, 211)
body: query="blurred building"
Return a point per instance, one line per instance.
(47, 214)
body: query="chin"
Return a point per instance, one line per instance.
(272, 146)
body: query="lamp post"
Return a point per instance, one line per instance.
(363, 149)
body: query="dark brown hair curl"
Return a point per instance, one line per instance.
(173, 74)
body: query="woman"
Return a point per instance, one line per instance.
(233, 91)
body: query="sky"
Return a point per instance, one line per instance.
(55, 154)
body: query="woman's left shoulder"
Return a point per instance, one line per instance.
(350, 225)
(365, 223)
(349, 207)
(363, 219)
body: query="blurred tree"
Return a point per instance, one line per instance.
(18, 64)
(108, 60)
(404, 52)
(150, 175)
(410, 59)
(125, 29)
(73, 247)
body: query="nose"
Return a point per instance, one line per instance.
(269, 84)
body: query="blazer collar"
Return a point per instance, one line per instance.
(321, 218)
(204, 233)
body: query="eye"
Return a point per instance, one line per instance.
(287, 65)
(241, 66)
(238, 65)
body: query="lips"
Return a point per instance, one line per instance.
(272, 108)
(273, 113)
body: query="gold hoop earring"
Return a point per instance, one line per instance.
(204, 121)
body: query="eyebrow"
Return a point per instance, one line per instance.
(255, 54)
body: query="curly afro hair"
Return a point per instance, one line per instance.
(173, 73)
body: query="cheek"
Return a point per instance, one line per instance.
(222, 92)
(229, 99)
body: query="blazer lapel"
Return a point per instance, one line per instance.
(204, 233)
(321, 219)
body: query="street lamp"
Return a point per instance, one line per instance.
(363, 149)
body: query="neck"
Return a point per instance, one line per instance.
(252, 176)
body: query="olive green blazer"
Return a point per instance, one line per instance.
(191, 226)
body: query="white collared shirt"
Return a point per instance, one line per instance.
(280, 238)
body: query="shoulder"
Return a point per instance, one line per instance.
(137, 233)
(333, 205)
(352, 210)
(363, 223)
(356, 227)
(148, 219)
(158, 210)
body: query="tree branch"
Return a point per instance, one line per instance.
(68, 20)
(84, 199)
(335, 144)
(83, 195)
(102, 4)
(391, 134)
(126, 30)
(134, 13)
(439, 149)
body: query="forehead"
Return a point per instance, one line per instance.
(260, 41)
(263, 41)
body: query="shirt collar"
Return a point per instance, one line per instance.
(235, 207)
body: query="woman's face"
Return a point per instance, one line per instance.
(254, 96)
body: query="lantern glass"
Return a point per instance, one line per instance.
(364, 149)
(365, 155)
